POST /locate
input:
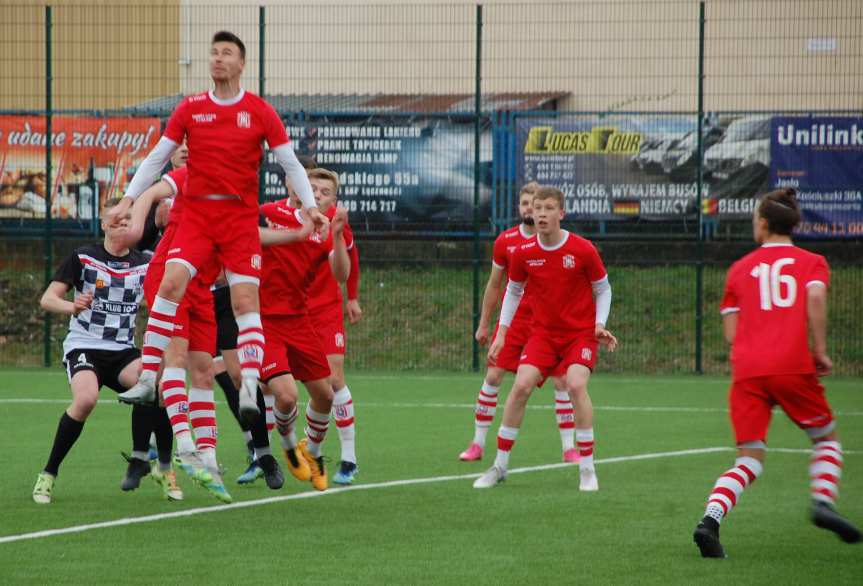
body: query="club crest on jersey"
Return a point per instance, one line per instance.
(244, 120)
(568, 261)
(100, 283)
(586, 353)
(256, 262)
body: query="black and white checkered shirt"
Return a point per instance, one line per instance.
(117, 285)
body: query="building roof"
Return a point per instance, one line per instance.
(383, 103)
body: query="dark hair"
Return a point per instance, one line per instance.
(550, 193)
(781, 211)
(307, 162)
(229, 37)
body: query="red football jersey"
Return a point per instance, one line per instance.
(504, 246)
(177, 178)
(561, 278)
(225, 140)
(289, 269)
(768, 289)
(325, 290)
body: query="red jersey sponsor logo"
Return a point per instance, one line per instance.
(201, 118)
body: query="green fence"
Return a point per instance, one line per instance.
(473, 70)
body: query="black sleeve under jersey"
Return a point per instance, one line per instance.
(152, 233)
(69, 271)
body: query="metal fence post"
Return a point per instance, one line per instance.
(477, 132)
(49, 244)
(262, 23)
(699, 252)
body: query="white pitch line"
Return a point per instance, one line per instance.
(623, 408)
(316, 494)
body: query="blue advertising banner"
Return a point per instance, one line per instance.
(822, 158)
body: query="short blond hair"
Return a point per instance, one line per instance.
(550, 193)
(321, 173)
(529, 188)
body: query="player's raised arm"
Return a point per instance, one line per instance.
(155, 193)
(144, 176)
(340, 262)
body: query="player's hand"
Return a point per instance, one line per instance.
(339, 220)
(481, 334)
(355, 312)
(81, 303)
(321, 222)
(605, 338)
(823, 364)
(118, 211)
(496, 346)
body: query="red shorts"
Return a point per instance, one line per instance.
(196, 319)
(293, 348)
(801, 396)
(516, 338)
(223, 230)
(553, 355)
(329, 324)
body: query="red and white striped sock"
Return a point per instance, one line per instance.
(584, 441)
(250, 344)
(202, 412)
(269, 403)
(731, 485)
(565, 418)
(160, 328)
(825, 470)
(286, 426)
(316, 430)
(177, 405)
(486, 406)
(343, 413)
(505, 440)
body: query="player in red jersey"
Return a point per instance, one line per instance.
(325, 306)
(225, 129)
(776, 301)
(293, 350)
(519, 332)
(572, 299)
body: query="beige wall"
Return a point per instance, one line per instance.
(612, 55)
(105, 54)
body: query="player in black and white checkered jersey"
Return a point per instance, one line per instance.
(99, 349)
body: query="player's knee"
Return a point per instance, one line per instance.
(83, 404)
(202, 376)
(494, 377)
(521, 392)
(576, 388)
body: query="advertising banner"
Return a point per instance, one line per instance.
(92, 160)
(822, 158)
(394, 171)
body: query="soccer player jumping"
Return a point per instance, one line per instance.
(225, 129)
(775, 301)
(572, 299)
